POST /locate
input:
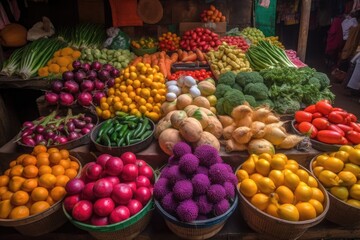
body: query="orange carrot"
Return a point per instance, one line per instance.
(162, 54)
(179, 52)
(155, 62)
(137, 60)
(200, 55)
(162, 66)
(191, 57)
(184, 55)
(174, 57)
(168, 63)
(147, 59)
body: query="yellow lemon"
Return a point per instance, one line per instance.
(341, 193)
(248, 188)
(355, 191)
(288, 212)
(260, 201)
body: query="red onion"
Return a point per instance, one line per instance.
(28, 141)
(85, 130)
(70, 126)
(88, 119)
(99, 85)
(96, 66)
(76, 64)
(57, 86)
(110, 82)
(60, 140)
(66, 99)
(97, 96)
(40, 129)
(92, 74)
(27, 132)
(68, 75)
(84, 99)
(27, 124)
(86, 67)
(73, 136)
(89, 125)
(39, 138)
(115, 73)
(71, 86)
(103, 75)
(79, 76)
(49, 135)
(51, 98)
(107, 67)
(87, 86)
(79, 123)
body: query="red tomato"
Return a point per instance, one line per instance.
(329, 136)
(338, 109)
(352, 117)
(310, 109)
(344, 127)
(353, 137)
(355, 126)
(344, 141)
(316, 115)
(323, 107)
(307, 128)
(302, 116)
(335, 117)
(320, 123)
(336, 128)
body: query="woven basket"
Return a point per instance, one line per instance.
(276, 228)
(341, 212)
(125, 230)
(41, 223)
(203, 229)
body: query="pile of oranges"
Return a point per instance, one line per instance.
(339, 172)
(35, 181)
(279, 187)
(140, 90)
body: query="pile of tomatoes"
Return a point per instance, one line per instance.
(199, 75)
(169, 41)
(328, 124)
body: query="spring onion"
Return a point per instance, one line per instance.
(11, 64)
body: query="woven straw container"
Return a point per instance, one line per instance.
(124, 230)
(341, 212)
(41, 223)
(202, 229)
(276, 228)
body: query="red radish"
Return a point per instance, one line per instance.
(70, 201)
(82, 210)
(128, 157)
(119, 214)
(129, 172)
(132, 185)
(134, 206)
(99, 221)
(104, 206)
(84, 99)
(88, 192)
(94, 171)
(122, 193)
(102, 188)
(114, 166)
(102, 159)
(74, 186)
(147, 171)
(143, 194)
(142, 181)
(113, 179)
(140, 162)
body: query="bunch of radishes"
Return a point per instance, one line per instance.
(238, 41)
(110, 190)
(86, 84)
(201, 38)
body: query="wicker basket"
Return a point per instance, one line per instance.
(203, 229)
(125, 230)
(143, 51)
(276, 228)
(341, 212)
(41, 223)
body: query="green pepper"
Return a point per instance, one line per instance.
(136, 140)
(122, 130)
(131, 118)
(138, 129)
(117, 127)
(104, 127)
(143, 128)
(113, 137)
(146, 134)
(105, 140)
(120, 141)
(132, 125)
(129, 136)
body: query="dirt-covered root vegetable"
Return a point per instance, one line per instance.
(201, 101)
(227, 132)
(177, 117)
(240, 112)
(190, 129)
(231, 145)
(161, 126)
(225, 120)
(258, 146)
(290, 141)
(168, 138)
(242, 135)
(167, 107)
(257, 129)
(275, 135)
(214, 127)
(190, 109)
(201, 116)
(183, 100)
(261, 114)
(207, 111)
(207, 138)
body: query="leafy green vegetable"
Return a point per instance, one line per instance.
(227, 78)
(244, 78)
(286, 105)
(251, 100)
(258, 90)
(221, 89)
(323, 79)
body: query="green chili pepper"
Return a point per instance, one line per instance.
(146, 134)
(143, 128)
(120, 141)
(136, 140)
(105, 140)
(104, 127)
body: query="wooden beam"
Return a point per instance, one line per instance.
(304, 29)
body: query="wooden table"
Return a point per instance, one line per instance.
(235, 227)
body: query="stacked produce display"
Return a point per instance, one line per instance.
(206, 99)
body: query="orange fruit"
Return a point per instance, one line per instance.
(291, 180)
(312, 182)
(256, 177)
(64, 153)
(74, 165)
(20, 158)
(4, 180)
(71, 173)
(262, 166)
(5, 208)
(278, 162)
(3, 190)
(19, 212)
(285, 194)
(354, 156)
(7, 172)
(39, 149)
(266, 156)
(19, 198)
(52, 150)
(341, 193)
(12, 163)
(266, 185)
(6, 195)
(39, 194)
(260, 201)
(50, 200)
(57, 193)
(58, 170)
(44, 169)
(328, 178)
(241, 174)
(16, 183)
(29, 160)
(288, 212)
(249, 166)
(47, 180)
(248, 187)
(319, 208)
(303, 192)
(317, 194)
(30, 171)
(347, 178)
(61, 180)
(55, 158)
(333, 164)
(16, 170)
(39, 207)
(303, 175)
(29, 184)
(355, 191)
(272, 210)
(306, 211)
(354, 202)
(342, 155)
(44, 160)
(277, 177)
(65, 163)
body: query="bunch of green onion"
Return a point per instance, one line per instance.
(12, 63)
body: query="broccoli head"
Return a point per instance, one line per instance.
(315, 82)
(251, 100)
(219, 106)
(323, 79)
(258, 90)
(221, 89)
(227, 78)
(244, 78)
(232, 99)
(237, 86)
(266, 102)
(286, 105)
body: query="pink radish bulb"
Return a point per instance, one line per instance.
(74, 186)
(70, 201)
(102, 159)
(102, 188)
(140, 162)
(99, 221)
(119, 214)
(142, 181)
(113, 179)
(147, 171)
(104, 206)
(129, 172)
(94, 171)
(134, 206)
(121, 193)
(132, 185)
(114, 166)
(128, 157)
(82, 211)
(143, 194)
(88, 191)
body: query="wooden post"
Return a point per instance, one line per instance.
(304, 28)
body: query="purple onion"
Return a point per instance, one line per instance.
(28, 141)
(61, 127)
(51, 98)
(73, 136)
(110, 82)
(28, 124)
(92, 74)
(84, 99)
(76, 64)
(103, 75)
(97, 97)
(86, 67)
(40, 129)
(71, 86)
(88, 119)
(79, 76)
(90, 125)
(68, 75)
(39, 138)
(87, 86)
(49, 135)
(99, 85)
(96, 66)
(70, 126)
(115, 73)
(66, 99)
(27, 132)
(79, 123)
(60, 140)
(85, 130)
(107, 67)
(57, 86)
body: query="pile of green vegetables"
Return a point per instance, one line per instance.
(284, 90)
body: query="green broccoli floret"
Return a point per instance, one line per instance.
(266, 102)
(258, 90)
(219, 106)
(286, 105)
(221, 89)
(251, 100)
(244, 78)
(315, 82)
(232, 99)
(323, 79)
(227, 78)
(237, 86)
